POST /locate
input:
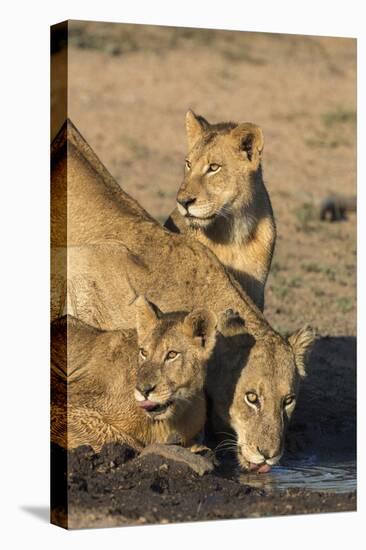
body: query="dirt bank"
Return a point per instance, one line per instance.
(117, 487)
(113, 488)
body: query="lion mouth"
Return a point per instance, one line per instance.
(153, 408)
(260, 467)
(199, 221)
(263, 468)
(201, 218)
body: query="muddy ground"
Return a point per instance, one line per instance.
(114, 488)
(129, 88)
(117, 487)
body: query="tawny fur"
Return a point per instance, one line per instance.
(271, 373)
(106, 250)
(230, 211)
(102, 370)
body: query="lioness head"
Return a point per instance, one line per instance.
(173, 350)
(258, 399)
(219, 169)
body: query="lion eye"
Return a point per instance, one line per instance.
(288, 400)
(214, 167)
(143, 353)
(252, 398)
(171, 355)
(188, 164)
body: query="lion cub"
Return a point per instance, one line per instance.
(136, 387)
(223, 203)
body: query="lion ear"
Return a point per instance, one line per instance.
(249, 139)
(196, 125)
(301, 343)
(147, 316)
(200, 325)
(230, 323)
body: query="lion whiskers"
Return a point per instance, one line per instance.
(227, 445)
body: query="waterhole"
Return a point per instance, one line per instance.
(308, 473)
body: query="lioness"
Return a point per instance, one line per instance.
(136, 387)
(223, 203)
(255, 402)
(116, 251)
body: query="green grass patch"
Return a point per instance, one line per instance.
(139, 150)
(317, 268)
(306, 214)
(345, 304)
(280, 289)
(339, 116)
(325, 143)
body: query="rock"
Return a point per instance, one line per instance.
(199, 464)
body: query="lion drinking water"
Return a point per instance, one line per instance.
(107, 250)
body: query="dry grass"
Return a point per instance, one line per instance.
(130, 87)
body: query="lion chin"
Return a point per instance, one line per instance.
(199, 223)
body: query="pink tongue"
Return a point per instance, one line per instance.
(261, 469)
(264, 469)
(148, 405)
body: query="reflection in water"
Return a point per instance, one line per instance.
(310, 474)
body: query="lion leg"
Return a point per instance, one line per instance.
(196, 444)
(85, 426)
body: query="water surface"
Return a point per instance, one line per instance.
(309, 473)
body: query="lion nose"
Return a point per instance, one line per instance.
(145, 389)
(186, 202)
(267, 455)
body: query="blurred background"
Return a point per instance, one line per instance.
(129, 87)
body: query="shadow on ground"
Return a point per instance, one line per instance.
(119, 488)
(40, 512)
(325, 418)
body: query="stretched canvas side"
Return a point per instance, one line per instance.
(59, 58)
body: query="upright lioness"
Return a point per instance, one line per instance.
(107, 250)
(136, 387)
(223, 203)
